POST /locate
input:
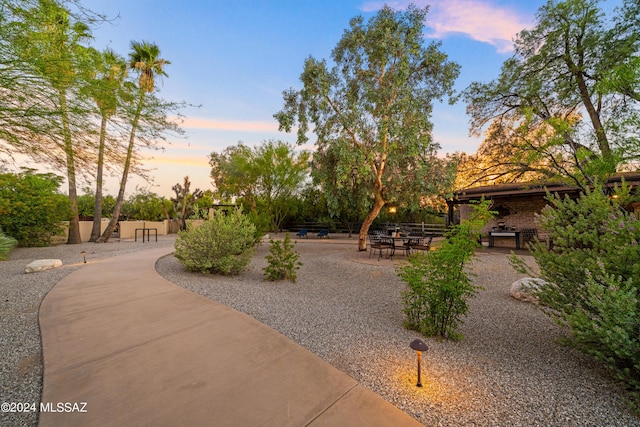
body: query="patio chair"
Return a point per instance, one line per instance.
(302, 233)
(529, 235)
(379, 243)
(323, 233)
(422, 245)
(400, 245)
(413, 240)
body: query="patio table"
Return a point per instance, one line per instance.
(504, 233)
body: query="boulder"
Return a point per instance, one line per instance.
(42, 264)
(524, 289)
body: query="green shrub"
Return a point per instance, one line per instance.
(146, 206)
(261, 222)
(6, 244)
(283, 260)
(438, 285)
(593, 279)
(31, 209)
(222, 245)
(607, 326)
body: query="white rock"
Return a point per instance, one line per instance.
(524, 289)
(42, 264)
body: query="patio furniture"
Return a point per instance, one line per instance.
(400, 244)
(302, 233)
(422, 245)
(379, 243)
(504, 233)
(323, 233)
(529, 235)
(145, 230)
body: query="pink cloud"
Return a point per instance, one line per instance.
(479, 20)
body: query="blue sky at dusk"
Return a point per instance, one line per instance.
(234, 58)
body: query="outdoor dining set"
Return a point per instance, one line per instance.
(407, 244)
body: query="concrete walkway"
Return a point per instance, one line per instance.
(123, 346)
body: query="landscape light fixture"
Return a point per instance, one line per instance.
(84, 256)
(419, 346)
(392, 210)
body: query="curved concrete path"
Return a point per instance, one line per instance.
(127, 347)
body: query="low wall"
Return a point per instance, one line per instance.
(126, 229)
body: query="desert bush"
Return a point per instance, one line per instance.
(222, 245)
(593, 279)
(31, 209)
(438, 282)
(283, 260)
(6, 244)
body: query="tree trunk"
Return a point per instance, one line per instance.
(74, 221)
(601, 135)
(125, 173)
(594, 114)
(97, 207)
(183, 210)
(364, 230)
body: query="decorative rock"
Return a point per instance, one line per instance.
(42, 264)
(524, 289)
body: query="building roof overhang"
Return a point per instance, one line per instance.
(534, 189)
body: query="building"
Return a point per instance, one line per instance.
(518, 204)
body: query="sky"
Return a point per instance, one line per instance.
(233, 59)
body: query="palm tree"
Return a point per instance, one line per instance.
(145, 59)
(107, 83)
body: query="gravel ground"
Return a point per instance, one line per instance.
(508, 370)
(20, 297)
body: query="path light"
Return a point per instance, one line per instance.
(84, 256)
(419, 346)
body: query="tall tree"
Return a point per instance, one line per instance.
(234, 175)
(499, 160)
(145, 60)
(624, 71)
(14, 82)
(105, 88)
(549, 100)
(373, 108)
(48, 42)
(266, 177)
(347, 198)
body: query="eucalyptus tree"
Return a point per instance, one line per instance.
(346, 196)
(373, 109)
(566, 99)
(144, 59)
